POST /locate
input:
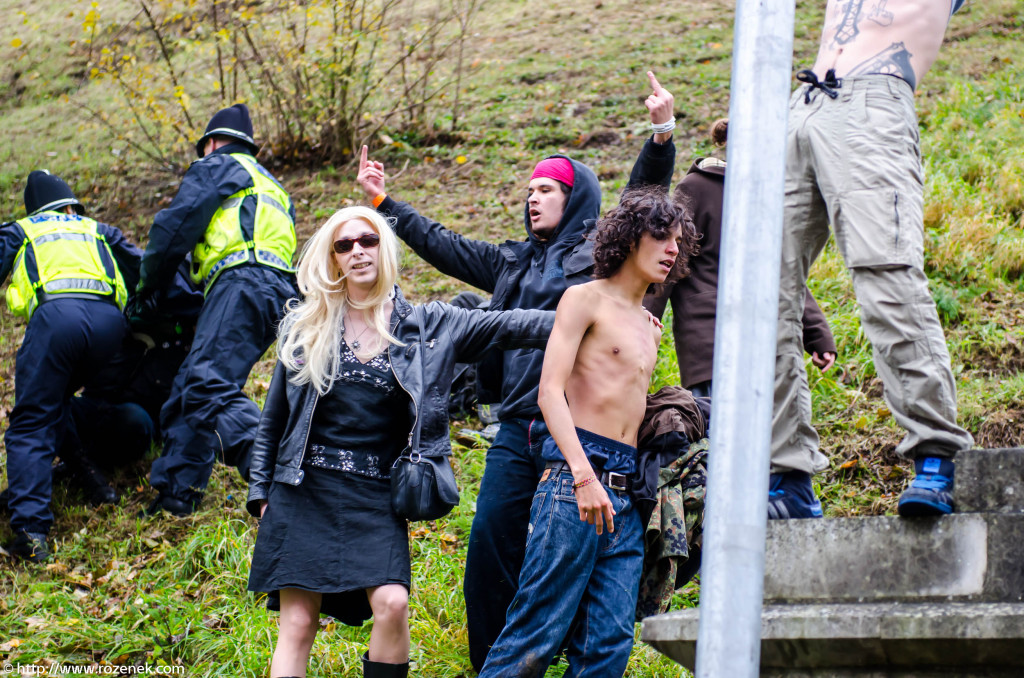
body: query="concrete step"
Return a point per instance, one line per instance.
(990, 481)
(975, 557)
(865, 640)
(891, 597)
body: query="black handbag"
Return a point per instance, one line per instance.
(422, 486)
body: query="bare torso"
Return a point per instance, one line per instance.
(894, 37)
(607, 390)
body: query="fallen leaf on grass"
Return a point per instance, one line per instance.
(850, 463)
(35, 622)
(211, 622)
(10, 644)
(420, 532)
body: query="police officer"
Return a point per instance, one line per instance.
(69, 277)
(239, 225)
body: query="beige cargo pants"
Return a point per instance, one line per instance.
(854, 162)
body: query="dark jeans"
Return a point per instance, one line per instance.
(701, 389)
(66, 344)
(573, 581)
(207, 415)
(497, 541)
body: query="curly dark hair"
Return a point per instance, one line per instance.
(642, 210)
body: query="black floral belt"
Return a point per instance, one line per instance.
(360, 462)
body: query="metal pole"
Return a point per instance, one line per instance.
(732, 570)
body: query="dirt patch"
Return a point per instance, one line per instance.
(863, 465)
(1002, 429)
(1001, 360)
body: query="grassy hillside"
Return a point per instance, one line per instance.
(564, 77)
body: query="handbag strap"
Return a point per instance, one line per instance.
(423, 384)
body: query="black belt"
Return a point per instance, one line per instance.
(610, 479)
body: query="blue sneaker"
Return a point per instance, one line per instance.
(790, 495)
(931, 491)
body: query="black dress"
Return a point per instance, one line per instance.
(335, 533)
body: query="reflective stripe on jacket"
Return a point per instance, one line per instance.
(62, 254)
(230, 241)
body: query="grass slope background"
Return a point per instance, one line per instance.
(545, 78)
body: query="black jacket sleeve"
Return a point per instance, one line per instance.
(178, 228)
(127, 255)
(654, 165)
(817, 334)
(475, 262)
(11, 238)
(473, 331)
(271, 428)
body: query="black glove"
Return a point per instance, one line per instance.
(141, 310)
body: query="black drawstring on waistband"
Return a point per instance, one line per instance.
(829, 85)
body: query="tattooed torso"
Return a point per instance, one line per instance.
(895, 37)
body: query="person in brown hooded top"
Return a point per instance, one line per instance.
(694, 298)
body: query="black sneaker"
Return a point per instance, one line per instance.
(791, 495)
(931, 491)
(30, 547)
(176, 507)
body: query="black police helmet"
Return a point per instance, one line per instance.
(233, 122)
(45, 192)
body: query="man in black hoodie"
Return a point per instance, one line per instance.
(563, 202)
(562, 206)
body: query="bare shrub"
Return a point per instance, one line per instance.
(320, 76)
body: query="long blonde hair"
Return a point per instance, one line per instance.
(310, 335)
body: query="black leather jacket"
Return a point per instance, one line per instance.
(423, 369)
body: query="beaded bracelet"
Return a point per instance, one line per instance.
(584, 482)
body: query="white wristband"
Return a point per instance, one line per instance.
(665, 127)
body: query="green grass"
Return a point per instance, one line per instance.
(545, 78)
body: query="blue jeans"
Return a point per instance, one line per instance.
(497, 540)
(574, 583)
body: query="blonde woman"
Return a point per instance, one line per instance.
(352, 379)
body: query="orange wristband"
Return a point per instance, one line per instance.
(378, 200)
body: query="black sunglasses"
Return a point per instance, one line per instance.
(365, 241)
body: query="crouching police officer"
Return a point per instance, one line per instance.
(239, 224)
(68, 280)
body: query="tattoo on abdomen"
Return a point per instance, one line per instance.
(893, 60)
(880, 15)
(848, 28)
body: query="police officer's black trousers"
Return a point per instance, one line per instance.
(207, 415)
(66, 344)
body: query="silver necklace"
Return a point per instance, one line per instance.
(355, 342)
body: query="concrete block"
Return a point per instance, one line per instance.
(869, 639)
(964, 557)
(990, 481)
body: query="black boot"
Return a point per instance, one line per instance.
(165, 502)
(379, 670)
(87, 477)
(30, 547)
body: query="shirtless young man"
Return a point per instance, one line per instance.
(585, 547)
(853, 160)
